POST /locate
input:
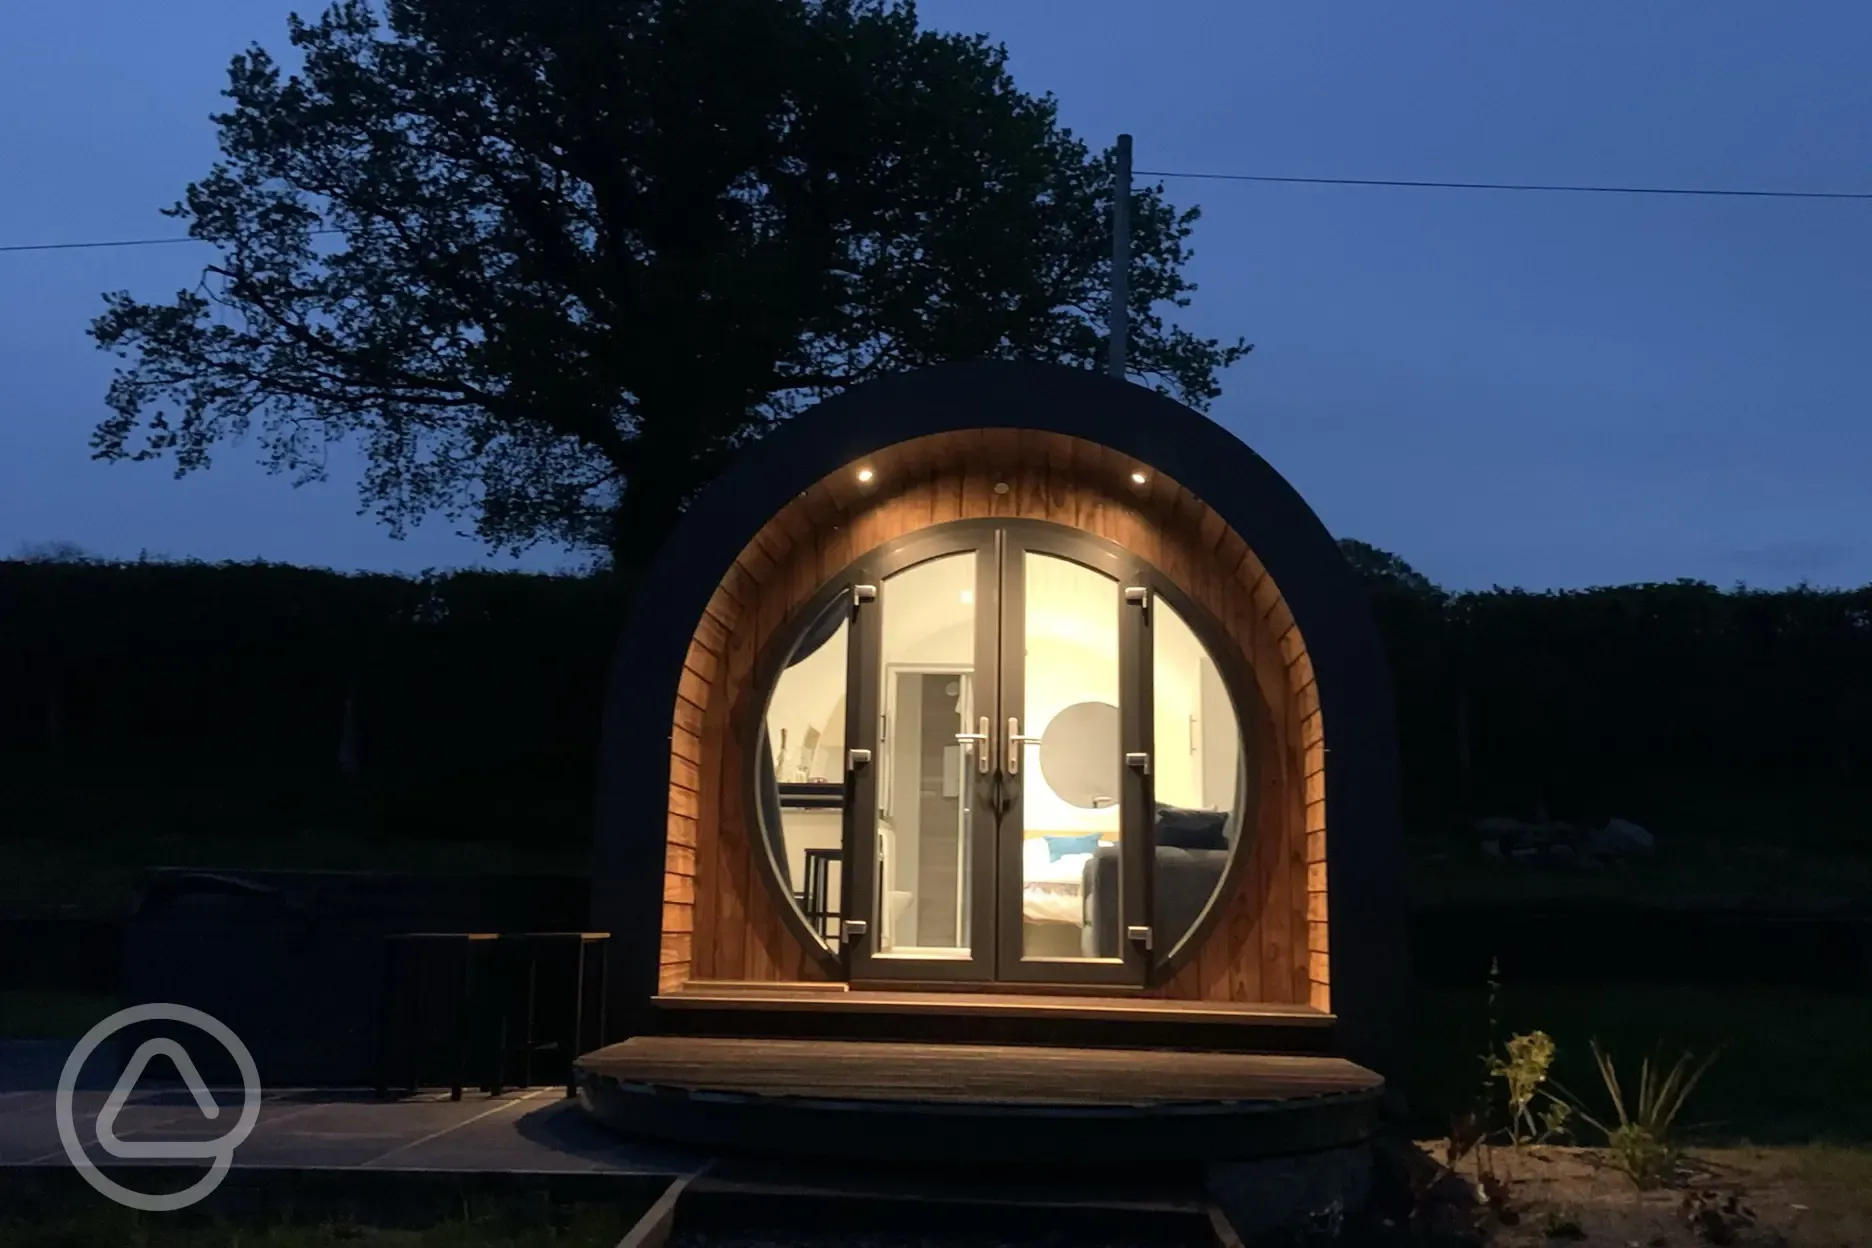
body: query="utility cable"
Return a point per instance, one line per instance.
(1415, 183)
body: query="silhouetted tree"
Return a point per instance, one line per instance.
(1380, 569)
(53, 552)
(553, 262)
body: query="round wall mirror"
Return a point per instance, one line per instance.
(1079, 755)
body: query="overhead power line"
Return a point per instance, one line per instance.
(121, 242)
(1720, 192)
(118, 242)
(1550, 187)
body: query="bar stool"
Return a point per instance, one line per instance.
(403, 966)
(517, 1025)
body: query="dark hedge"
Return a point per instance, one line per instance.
(475, 697)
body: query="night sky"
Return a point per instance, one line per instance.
(1504, 388)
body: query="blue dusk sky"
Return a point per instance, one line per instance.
(1505, 388)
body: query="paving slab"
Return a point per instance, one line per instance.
(539, 1130)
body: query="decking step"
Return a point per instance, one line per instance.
(955, 1101)
(831, 1012)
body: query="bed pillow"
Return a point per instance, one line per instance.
(1035, 854)
(1191, 829)
(1059, 846)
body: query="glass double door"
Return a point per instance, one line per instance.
(997, 762)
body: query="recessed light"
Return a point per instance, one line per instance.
(865, 474)
(1138, 478)
(1001, 487)
(968, 595)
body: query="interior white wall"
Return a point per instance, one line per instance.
(812, 829)
(1176, 660)
(1219, 729)
(1182, 707)
(1072, 657)
(811, 695)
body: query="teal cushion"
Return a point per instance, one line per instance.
(1059, 846)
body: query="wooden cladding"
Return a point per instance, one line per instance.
(721, 916)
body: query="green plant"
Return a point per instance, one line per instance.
(1639, 1130)
(1522, 1064)
(1524, 1068)
(1556, 1122)
(1638, 1153)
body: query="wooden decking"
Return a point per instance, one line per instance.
(974, 1074)
(704, 995)
(834, 1012)
(949, 1102)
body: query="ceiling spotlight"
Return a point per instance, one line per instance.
(968, 595)
(1138, 478)
(865, 474)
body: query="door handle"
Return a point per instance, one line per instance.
(980, 741)
(1015, 745)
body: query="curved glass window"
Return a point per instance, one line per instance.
(802, 785)
(1198, 765)
(999, 753)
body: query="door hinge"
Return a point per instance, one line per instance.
(862, 594)
(1139, 761)
(853, 929)
(854, 759)
(1138, 595)
(1139, 934)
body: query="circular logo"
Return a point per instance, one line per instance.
(220, 1150)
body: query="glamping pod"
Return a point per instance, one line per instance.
(999, 739)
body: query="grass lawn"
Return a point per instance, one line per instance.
(514, 1226)
(51, 1015)
(1795, 1068)
(82, 842)
(102, 875)
(1704, 873)
(1796, 846)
